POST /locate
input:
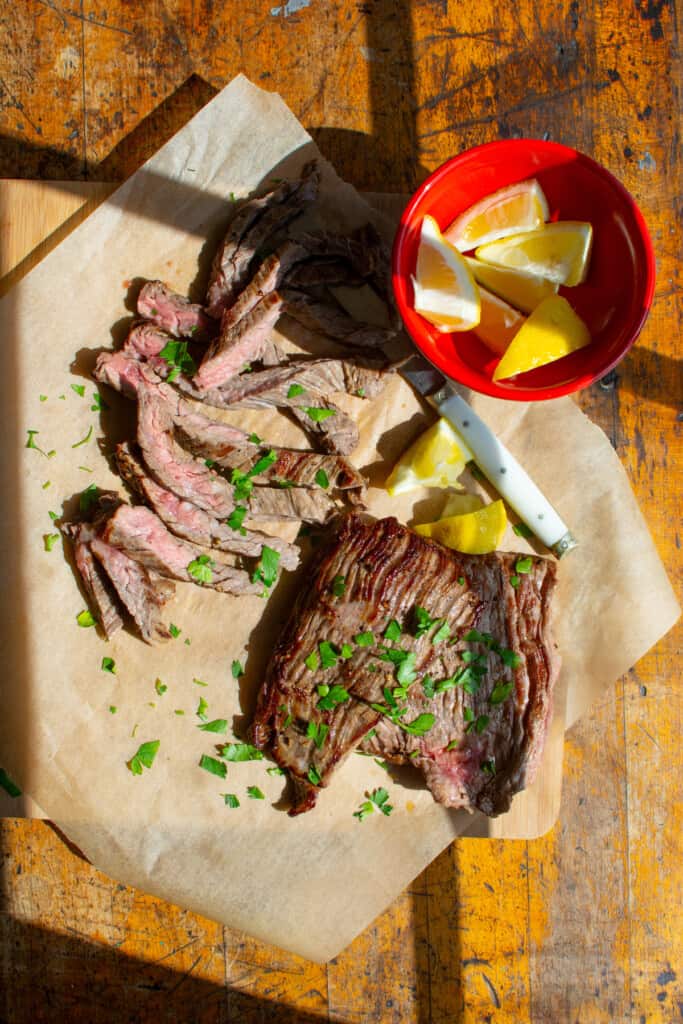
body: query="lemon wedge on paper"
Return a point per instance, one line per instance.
(474, 533)
(435, 459)
(444, 289)
(522, 290)
(552, 331)
(559, 252)
(518, 207)
(499, 322)
(460, 502)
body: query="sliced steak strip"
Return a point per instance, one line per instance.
(319, 272)
(332, 320)
(174, 313)
(239, 344)
(495, 741)
(140, 534)
(267, 279)
(191, 523)
(270, 503)
(320, 376)
(256, 222)
(143, 593)
(97, 585)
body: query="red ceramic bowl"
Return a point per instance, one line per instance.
(613, 301)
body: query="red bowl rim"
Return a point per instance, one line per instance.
(472, 380)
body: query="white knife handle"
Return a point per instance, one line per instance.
(505, 473)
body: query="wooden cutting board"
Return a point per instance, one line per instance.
(35, 216)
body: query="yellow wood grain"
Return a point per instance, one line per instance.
(585, 924)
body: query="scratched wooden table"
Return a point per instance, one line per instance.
(585, 924)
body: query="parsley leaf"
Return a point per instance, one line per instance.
(143, 757)
(88, 497)
(442, 633)
(212, 765)
(8, 785)
(202, 708)
(364, 639)
(523, 565)
(255, 793)
(322, 479)
(294, 390)
(274, 770)
(522, 530)
(393, 631)
(428, 687)
(379, 798)
(339, 586)
(318, 415)
(85, 618)
(230, 799)
(254, 438)
(79, 389)
(174, 631)
(509, 658)
(108, 665)
(219, 725)
(236, 518)
(97, 404)
(346, 652)
(49, 540)
(500, 692)
(420, 725)
(453, 745)
(241, 752)
(160, 687)
(405, 673)
(331, 697)
(489, 766)
(31, 442)
(262, 464)
(313, 776)
(515, 582)
(312, 661)
(236, 670)
(112, 709)
(423, 621)
(201, 569)
(364, 810)
(176, 355)
(83, 440)
(318, 733)
(328, 654)
(266, 568)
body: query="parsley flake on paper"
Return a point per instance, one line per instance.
(218, 725)
(143, 757)
(108, 665)
(160, 687)
(85, 618)
(49, 540)
(377, 800)
(255, 793)
(174, 631)
(236, 669)
(230, 800)
(83, 440)
(79, 389)
(213, 766)
(241, 752)
(202, 708)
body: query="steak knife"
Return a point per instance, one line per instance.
(497, 464)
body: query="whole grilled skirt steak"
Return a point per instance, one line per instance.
(417, 654)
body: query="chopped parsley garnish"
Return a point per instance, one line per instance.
(318, 415)
(201, 569)
(475, 724)
(49, 540)
(313, 775)
(255, 793)
(85, 618)
(379, 799)
(522, 530)
(31, 442)
(160, 687)
(328, 654)
(331, 696)
(423, 621)
(453, 745)
(346, 652)
(230, 800)
(381, 763)
(213, 765)
(176, 355)
(262, 464)
(489, 766)
(364, 639)
(79, 389)
(266, 568)
(322, 479)
(108, 665)
(420, 725)
(442, 633)
(254, 438)
(178, 711)
(360, 392)
(241, 752)
(523, 565)
(88, 497)
(294, 390)
(46, 485)
(202, 708)
(83, 440)
(405, 673)
(97, 404)
(500, 692)
(143, 757)
(236, 518)
(339, 586)
(509, 658)
(274, 770)
(8, 785)
(174, 631)
(428, 687)
(198, 682)
(312, 661)
(236, 669)
(209, 463)
(515, 582)
(112, 709)
(393, 631)
(84, 469)
(461, 581)
(43, 398)
(219, 725)
(317, 731)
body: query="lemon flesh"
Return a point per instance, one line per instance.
(460, 502)
(474, 533)
(559, 252)
(499, 322)
(522, 290)
(444, 290)
(518, 207)
(436, 459)
(552, 331)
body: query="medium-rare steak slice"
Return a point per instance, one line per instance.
(449, 662)
(143, 593)
(139, 533)
(97, 585)
(238, 344)
(267, 279)
(253, 224)
(192, 523)
(174, 313)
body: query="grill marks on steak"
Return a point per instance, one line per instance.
(388, 571)
(239, 343)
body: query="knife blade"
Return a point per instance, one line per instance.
(494, 460)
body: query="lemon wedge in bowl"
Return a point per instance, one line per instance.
(552, 331)
(499, 322)
(518, 207)
(444, 290)
(522, 290)
(473, 533)
(559, 252)
(435, 459)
